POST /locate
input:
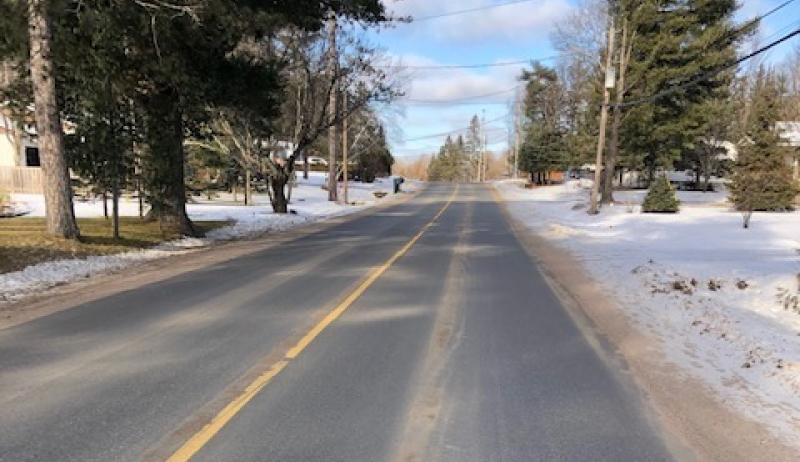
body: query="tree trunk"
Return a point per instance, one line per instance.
(165, 163)
(278, 186)
(105, 204)
(140, 198)
(59, 213)
(248, 192)
(746, 216)
(305, 165)
(333, 146)
(115, 207)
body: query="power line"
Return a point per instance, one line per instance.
(460, 99)
(455, 131)
(706, 75)
(774, 10)
(460, 103)
(471, 66)
(526, 61)
(469, 10)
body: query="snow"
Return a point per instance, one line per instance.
(309, 203)
(722, 302)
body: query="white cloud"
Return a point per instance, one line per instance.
(522, 20)
(446, 84)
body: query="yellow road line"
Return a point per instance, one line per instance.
(202, 437)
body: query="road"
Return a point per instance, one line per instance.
(453, 348)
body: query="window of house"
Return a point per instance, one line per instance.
(32, 157)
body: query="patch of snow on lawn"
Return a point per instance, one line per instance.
(724, 302)
(309, 204)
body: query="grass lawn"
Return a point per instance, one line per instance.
(23, 241)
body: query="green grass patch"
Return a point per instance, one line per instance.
(23, 241)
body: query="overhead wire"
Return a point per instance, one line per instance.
(708, 74)
(468, 10)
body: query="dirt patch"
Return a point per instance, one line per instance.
(684, 407)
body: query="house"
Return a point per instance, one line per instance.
(20, 165)
(17, 143)
(790, 132)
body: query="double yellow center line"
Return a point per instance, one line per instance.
(202, 437)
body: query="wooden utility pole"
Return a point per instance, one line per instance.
(333, 146)
(613, 146)
(601, 138)
(485, 158)
(482, 151)
(59, 213)
(517, 136)
(345, 147)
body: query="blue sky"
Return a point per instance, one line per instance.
(508, 33)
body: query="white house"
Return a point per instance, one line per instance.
(17, 143)
(790, 132)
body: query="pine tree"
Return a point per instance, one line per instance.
(545, 143)
(762, 178)
(675, 42)
(661, 198)
(60, 213)
(452, 164)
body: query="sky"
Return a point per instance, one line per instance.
(514, 32)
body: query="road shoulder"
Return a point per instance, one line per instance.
(684, 407)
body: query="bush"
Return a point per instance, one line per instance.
(5, 198)
(661, 198)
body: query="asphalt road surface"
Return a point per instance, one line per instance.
(456, 349)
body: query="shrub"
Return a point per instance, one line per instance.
(661, 198)
(5, 198)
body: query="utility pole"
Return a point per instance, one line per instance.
(484, 156)
(345, 146)
(518, 140)
(616, 121)
(481, 153)
(333, 146)
(601, 138)
(517, 135)
(516, 153)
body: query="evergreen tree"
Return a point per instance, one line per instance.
(661, 198)
(545, 143)
(762, 177)
(374, 159)
(452, 163)
(675, 42)
(473, 145)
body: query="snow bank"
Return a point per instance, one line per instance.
(723, 302)
(309, 204)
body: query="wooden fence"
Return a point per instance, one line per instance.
(21, 179)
